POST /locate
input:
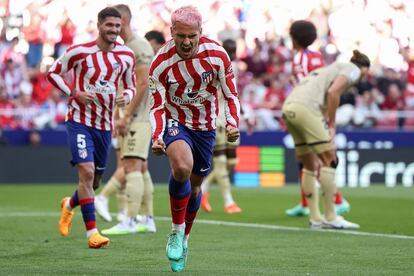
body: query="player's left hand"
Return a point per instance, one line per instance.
(233, 133)
(158, 147)
(122, 127)
(122, 100)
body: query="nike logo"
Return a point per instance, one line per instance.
(172, 82)
(178, 209)
(100, 168)
(204, 169)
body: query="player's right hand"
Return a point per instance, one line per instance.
(85, 97)
(232, 133)
(158, 147)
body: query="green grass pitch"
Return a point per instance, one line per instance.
(262, 240)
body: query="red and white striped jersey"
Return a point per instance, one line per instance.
(304, 62)
(187, 90)
(95, 71)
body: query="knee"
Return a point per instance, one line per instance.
(329, 159)
(131, 165)
(86, 173)
(181, 172)
(310, 165)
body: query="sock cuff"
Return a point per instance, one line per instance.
(146, 174)
(328, 170)
(133, 175)
(86, 201)
(308, 172)
(220, 159)
(179, 190)
(116, 182)
(232, 161)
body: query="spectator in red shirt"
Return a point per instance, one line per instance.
(7, 107)
(394, 101)
(68, 32)
(41, 86)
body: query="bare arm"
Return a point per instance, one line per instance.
(141, 72)
(335, 91)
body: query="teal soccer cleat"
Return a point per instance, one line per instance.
(174, 247)
(179, 265)
(298, 211)
(342, 208)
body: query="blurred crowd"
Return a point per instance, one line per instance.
(35, 33)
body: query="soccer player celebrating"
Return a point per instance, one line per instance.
(184, 83)
(99, 67)
(309, 112)
(303, 34)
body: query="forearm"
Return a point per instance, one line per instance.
(137, 99)
(332, 106)
(57, 81)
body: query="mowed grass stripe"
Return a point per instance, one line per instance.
(232, 224)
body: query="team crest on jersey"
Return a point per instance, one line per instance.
(173, 131)
(207, 76)
(83, 153)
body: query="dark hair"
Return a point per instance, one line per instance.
(124, 10)
(360, 59)
(230, 46)
(155, 35)
(303, 32)
(108, 12)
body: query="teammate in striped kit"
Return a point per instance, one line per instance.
(184, 84)
(303, 34)
(99, 67)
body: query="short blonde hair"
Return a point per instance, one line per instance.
(188, 15)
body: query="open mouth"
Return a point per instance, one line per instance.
(186, 49)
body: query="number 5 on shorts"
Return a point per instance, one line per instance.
(80, 139)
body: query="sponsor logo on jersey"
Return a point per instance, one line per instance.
(102, 87)
(197, 100)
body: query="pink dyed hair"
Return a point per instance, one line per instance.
(188, 15)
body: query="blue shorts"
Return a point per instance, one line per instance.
(201, 143)
(88, 144)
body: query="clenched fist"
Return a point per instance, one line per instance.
(233, 133)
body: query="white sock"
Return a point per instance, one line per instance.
(178, 227)
(185, 240)
(228, 199)
(89, 233)
(67, 206)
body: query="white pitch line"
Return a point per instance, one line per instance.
(234, 224)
